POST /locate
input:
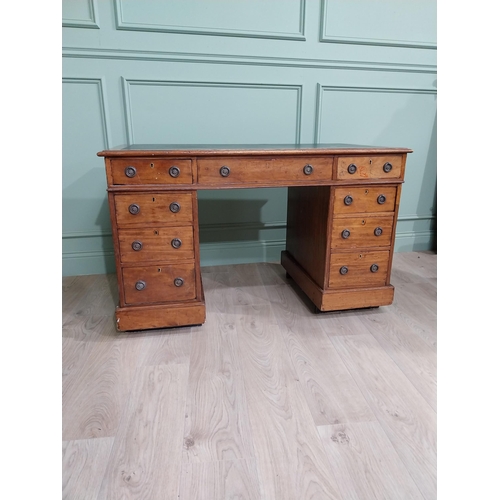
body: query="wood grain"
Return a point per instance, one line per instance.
(83, 466)
(365, 464)
(95, 392)
(145, 461)
(221, 480)
(151, 171)
(258, 384)
(412, 355)
(216, 423)
(291, 461)
(404, 415)
(261, 170)
(332, 395)
(369, 167)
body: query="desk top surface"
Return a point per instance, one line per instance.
(245, 149)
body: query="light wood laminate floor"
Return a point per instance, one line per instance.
(267, 400)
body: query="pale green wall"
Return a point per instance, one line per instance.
(245, 71)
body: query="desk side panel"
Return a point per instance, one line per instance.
(308, 220)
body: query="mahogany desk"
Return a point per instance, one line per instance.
(342, 209)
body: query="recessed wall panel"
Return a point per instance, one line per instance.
(212, 113)
(252, 18)
(409, 23)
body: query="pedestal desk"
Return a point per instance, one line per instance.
(342, 209)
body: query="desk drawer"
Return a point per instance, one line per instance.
(358, 269)
(355, 232)
(369, 167)
(350, 200)
(154, 208)
(230, 170)
(154, 284)
(157, 244)
(151, 171)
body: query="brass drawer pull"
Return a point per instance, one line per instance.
(174, 207)
(346, 233)
(374, 268)
(134, 209)
(178, 282)
(176, 243)
(348, 200)
(352, 168)
(308, 169)
(174, 171)
(387, 167)
(137, 245)
(130, 171)
(381, 199)
(344, 270)
(378, 231)
(140, 285)
(225, 171)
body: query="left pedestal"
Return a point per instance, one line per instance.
(156, 248)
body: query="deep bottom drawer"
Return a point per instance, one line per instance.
(358, 269)
(154, 284)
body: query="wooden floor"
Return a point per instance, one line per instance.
(267, 400)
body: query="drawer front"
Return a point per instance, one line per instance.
(357, 269)
(230, 170)
(160, 244)
(369, 167)
(152, 284)
(355, 232)
(350, 200)
(151, 171)
(154, 208)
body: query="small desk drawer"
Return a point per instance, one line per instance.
(157, 244)
(358, 269)
(154, 208)
(154, 284)
(230, 170)
(350, 200)
(369, 167)
(355, 232)
(151, 171)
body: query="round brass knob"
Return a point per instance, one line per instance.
(346, 233)
(225, 171)
(374, 268)
(176, 243)
(381, 199)
(378, 231)
(130, 171)
(140, 285)
(134, 209)
(174, 207)
(174, 171)
(178, 282)
(137, 245)
(352, 168)
(308, 169)
(348, 200)
(343, 270)
(387, 167)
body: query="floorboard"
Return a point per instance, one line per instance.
(267, 400)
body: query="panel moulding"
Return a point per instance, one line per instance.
(321, 89)
(92, 22)
(324, 37)
(263, 86)
(190, 30)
